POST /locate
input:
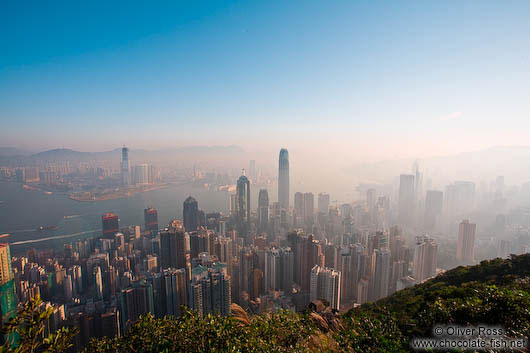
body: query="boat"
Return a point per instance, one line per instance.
(43, 228)
(48, 192)
(72, 216)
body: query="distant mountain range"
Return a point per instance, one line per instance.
(9, 155)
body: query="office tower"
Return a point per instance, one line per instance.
(466, 242)
(323, 203)
(135, 301)
(309, 208)
(175, 290)
(326, 284)
(252, 171)
(233, 205)
(141, 174)
(68, 288)
(459, 199)
(98, 282)
(173, 247)
(191, 214)
(425, 258)
(125, 177)
(263, 210)
(201, 241)
(433, 208)
(210, 290)
(311, 256)
(299, 209)
(370, 201)
(380, 273)
(283, 179)
(406, 200)
(111, 225)
(243, 205)
(151, 220)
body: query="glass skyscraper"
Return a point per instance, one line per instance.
(283, 179)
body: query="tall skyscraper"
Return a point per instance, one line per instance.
(380, 273)
(425, 258)
(125, 172)
(406, 200)
(309, 208)
(283, 179)
(190, 212)
(141, 174)
(110, 224)
(323, 203)
(433, 208)
(175, 290)
(243, 205)
(173, 247)
(326, 284)
(151, 220)
(459, 199)
(263, 210)
(466, 242)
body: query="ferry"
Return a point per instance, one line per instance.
(72, 216)
(43, 228)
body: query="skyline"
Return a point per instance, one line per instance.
(261, 75)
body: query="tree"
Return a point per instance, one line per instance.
(26, 332)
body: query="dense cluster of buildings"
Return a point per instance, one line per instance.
(275, 256)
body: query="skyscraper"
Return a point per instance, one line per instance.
(380, 273)
(283, 179)
(309, 208)
(323, 203)
(191, 214)
(8, 300)
(466, 242)
(125, 175)
(406, 199)
(263, 209)
(425, 258)
(151, 220)
(173, 247)
(325, 284)
(433, 208)
(110, 224)
(243, 205)
(210, 290)
(141, 174)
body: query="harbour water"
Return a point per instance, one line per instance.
(23, 211)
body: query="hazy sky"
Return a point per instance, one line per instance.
(363, 78)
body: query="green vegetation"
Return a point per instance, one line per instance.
(495, 292)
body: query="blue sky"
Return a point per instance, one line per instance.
(402, 75)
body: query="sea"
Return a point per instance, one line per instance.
(23, 211)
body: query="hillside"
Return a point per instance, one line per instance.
(494, 293)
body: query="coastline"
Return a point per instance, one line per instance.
(114, 194)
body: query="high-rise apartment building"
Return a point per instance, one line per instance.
(323, 203)
(466, 242)
(326, 284)
(210, 290)
(406, 200)
(380, 273)
(425, 258)
(433, 209)
(283, 179)
(173, 247)
(263, 210)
